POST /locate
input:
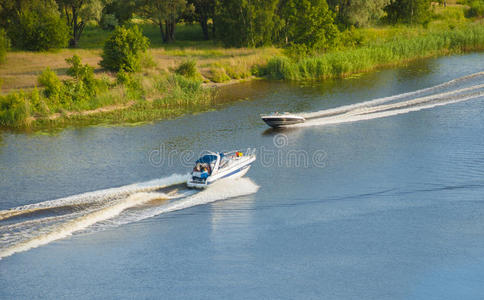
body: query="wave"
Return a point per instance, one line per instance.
(389, 106)
(132, 203)
(100, 196)
(352, 107)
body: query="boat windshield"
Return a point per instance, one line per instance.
(207, 159)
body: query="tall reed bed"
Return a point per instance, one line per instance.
(396, 51)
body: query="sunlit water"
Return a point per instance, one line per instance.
(378, 195)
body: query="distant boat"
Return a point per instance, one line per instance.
(282, 119)
(215, 166)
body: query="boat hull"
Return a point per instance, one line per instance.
(281, 121)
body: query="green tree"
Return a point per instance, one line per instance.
(408, 11)
(4, 45)
(78, 13)
(246, 23)
(163, 13)
(117, 12)
(37, 26)
(204, 10)
(361, 12)
(123, 49)
(307, 22)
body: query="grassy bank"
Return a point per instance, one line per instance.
(160, 91)
(393, 52)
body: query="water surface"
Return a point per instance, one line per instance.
(383, 208)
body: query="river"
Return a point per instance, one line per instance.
(382, 201)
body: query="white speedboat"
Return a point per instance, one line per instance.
(215, 166)
(282, 119)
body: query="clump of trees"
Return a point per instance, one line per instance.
(311, 24)
(33, 25)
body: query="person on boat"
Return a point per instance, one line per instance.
(204, 174)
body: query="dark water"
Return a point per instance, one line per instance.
(387, 208)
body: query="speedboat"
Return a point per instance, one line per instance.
(214, 166)
(282, 119)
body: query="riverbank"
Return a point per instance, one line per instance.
(158, 92)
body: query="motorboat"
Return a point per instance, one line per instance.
(214, 166)
(282, 119)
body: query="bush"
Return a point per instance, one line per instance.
(218, 74)
(123, 49)
(4, 45)
(188, 69)
(52, 83)
(39, 28)
(13, 110)
(476, 9)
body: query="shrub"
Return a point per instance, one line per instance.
(188, 69)
(81, 72)
(4, 45)
(218, 74)
(52, 83)
(39, 28)
(123, 49)
(476, 9)
(13, 110)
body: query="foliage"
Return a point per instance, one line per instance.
(408, 11)
(4, 45)
(343, 63)
(245, 23)
(188, 69)
(78, 13)
(203, 11)
(218, 74)
(123, 49)
(361, 13)
(38, 28)
(52, 84)
(117, 12)
(476, 8)
(308, 22)
(13, 110)
(163, 13)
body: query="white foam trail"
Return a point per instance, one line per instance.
(346, 108)
(221, 190)
(97, 196)
(346, 118)
(66, 229)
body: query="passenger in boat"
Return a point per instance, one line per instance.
(204, 174)
(197, 168)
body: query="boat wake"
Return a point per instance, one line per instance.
(458, 90)
(26, 227)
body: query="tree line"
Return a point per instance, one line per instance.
(44, 24)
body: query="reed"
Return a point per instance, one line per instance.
(396, 51)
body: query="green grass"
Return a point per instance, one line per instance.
(363, 59)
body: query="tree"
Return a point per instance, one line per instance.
(204, 10)
(407, 11)
(117, 12)
(78, 13)
(123, 49)
(361, 12)
(37, 26)
(163, 13)
(307, 22)
(246, 23)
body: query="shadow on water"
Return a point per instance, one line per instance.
(275, 131)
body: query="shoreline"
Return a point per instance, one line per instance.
(107, 115)
(155, 94)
